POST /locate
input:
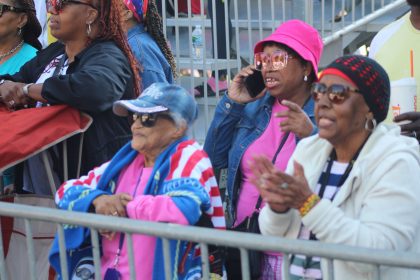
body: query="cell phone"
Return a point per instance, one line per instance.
(254, 83)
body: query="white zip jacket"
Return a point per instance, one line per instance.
(377, 207)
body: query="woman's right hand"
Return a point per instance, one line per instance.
(237, 89)
(112, 205)
(280, 190)
(12, 95)
(267, 183)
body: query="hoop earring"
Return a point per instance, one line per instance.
(89, 29)
(372, 127)
(19, 32)
(305, 78)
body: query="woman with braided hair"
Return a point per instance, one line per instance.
(89, 67)
(146, 39)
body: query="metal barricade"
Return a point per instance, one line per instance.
(203, 236)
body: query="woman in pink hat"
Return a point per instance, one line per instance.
(270, 124)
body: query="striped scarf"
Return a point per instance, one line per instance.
(305, 267)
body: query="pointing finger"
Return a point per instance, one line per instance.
(291, 105)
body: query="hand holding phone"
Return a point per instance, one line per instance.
(246, 85)
(254, 83)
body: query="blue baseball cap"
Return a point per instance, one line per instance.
(160, 97)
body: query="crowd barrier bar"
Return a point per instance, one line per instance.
(203, 236)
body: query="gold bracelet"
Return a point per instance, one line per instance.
(310, 202)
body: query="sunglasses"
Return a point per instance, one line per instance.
(5, 8)
(337, 94)
(149, 120)
(58, 5)
(278, 60)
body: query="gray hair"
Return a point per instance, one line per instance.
(180, 121)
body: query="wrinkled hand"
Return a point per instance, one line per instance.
(413, 126)
(12, 95)
(237, 89)
(280, 190)
(111, 205)
(296, 120)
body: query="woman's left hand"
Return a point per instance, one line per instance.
(296, 120)
(278, 188)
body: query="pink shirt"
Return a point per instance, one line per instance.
(267, 145)
(142, 207)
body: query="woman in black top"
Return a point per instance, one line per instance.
(90, 68)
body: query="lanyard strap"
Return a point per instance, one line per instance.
(325, 176)
(283, 141)
(122, 235)
(273, 161)
(121, 242)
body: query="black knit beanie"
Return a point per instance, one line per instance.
(370, 78)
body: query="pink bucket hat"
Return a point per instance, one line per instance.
(299, 36)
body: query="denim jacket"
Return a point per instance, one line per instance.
(155, 67)
(234, 127)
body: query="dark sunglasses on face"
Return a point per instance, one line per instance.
(58, 5)
(278, 60)
(5, 8)
(149, 120)
(336, 93)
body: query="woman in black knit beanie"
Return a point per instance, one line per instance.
(354, 183)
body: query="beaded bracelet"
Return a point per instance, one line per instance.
(309, 204)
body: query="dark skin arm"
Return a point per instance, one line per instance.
(12, 94)
(413, 126)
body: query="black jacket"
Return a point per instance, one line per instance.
(99, 76)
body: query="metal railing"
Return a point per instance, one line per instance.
(203, 236)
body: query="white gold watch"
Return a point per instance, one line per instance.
(25, 89)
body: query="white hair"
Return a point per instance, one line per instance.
(180, 122)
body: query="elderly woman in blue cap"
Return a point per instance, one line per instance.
(159, 176)
(146, 39)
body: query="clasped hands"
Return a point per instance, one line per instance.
(111, 205)
(279, 190)
(11, 94)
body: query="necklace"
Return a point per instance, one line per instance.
(2, 56)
